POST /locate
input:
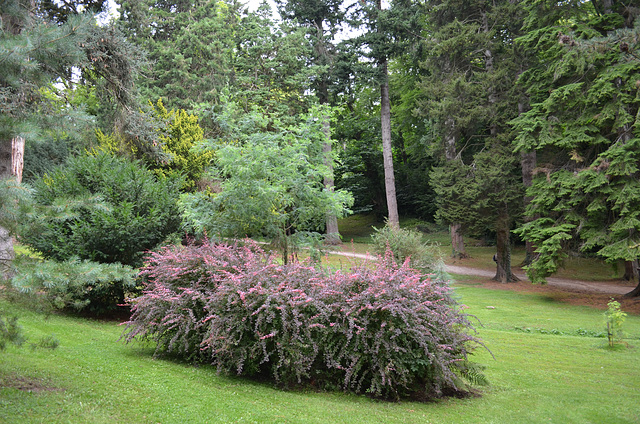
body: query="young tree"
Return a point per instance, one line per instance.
(322, 20)
(270, 184)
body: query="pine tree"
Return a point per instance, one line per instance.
(40, 44)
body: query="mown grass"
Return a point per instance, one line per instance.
(535, 377)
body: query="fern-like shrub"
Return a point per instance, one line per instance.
(77, 286)
(385, 330)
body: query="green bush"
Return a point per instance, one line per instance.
(77, 286)
(408, 244)
(101, 208)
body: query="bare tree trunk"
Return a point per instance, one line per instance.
(11, 162)
(455, 229)
(387, 153)
(503, 251)
(332, 236)
(457, 241)
(631, 270)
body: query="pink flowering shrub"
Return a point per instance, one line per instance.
(384, 330)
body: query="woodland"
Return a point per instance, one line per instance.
(167, 164)
(512, 121)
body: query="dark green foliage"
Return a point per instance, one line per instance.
(102, 208)
(585, 125)
(190, 47)
(42, 157)
(76, 286)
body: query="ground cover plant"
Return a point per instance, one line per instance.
(535, 377)
(385, 330)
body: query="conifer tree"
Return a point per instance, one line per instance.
(470, 97)
(583, 123)
(190, 46)
(39, 45)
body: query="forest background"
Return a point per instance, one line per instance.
(494, 118)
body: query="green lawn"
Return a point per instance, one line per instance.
(535, 377)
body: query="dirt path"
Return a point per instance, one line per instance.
(601, 287)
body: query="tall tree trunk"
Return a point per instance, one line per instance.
(332, 236)
(503, 250)
(387, 153)
(455, 229)
(11, 162)
(528, 163)
(631, 270)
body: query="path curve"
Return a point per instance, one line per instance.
(616, 288)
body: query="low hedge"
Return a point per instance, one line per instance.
(382, 329)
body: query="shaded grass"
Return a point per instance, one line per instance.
(534, 377)
(358, 228)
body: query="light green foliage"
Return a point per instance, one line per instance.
(271, 183)
(614, 318)
(75, 285)
(182, 141)
(407, 244)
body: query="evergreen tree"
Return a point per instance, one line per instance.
(271, 69)
(584, 125)
(34, 53)
(190, 46)
(470, 98)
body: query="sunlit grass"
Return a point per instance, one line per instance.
(534, 377)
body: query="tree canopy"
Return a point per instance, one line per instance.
(496, 119)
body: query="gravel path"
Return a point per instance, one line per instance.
(563, 283)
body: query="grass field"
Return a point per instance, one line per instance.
(547, 362)
(543, 371)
